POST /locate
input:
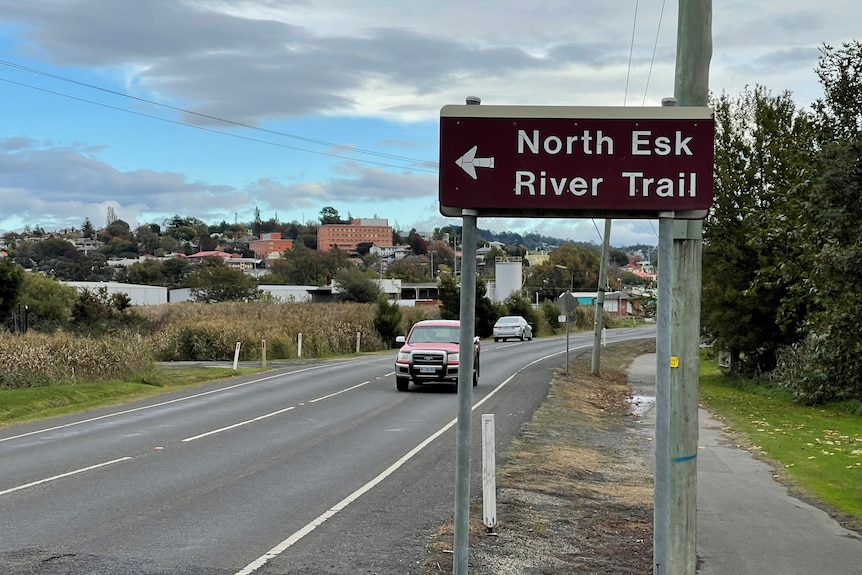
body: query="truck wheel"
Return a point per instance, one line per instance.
(402, 383)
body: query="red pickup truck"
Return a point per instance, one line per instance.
(430, 354)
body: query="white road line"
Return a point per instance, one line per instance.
(315, 523)
(127, 411)
(280, 411)
(340, 392)
(240, 424)
(62, 475)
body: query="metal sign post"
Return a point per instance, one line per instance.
(526, 161)
(567, 304)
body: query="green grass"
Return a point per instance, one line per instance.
(817, 450)
(29, 404)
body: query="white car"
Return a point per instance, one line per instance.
(512, 327)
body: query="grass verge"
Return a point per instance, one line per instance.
(817, 451)
(33, 403)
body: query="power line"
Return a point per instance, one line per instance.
(631, 51)
(654, 47)
(344, 147)
(211, 130)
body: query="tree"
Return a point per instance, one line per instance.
(354, 285)
(49, 301)
(299, 266)
(519, 305)
(148, 272)
(449, 293)
(491, 259)
(763, 150)
(618, 257)
(214, 282)
(409, 269)
(417, 243)
(87, 229)
(176, 271)
(329, 215)
(826, 365)
(839, 112)
(387, 319)
(11, 279)
(147, 237)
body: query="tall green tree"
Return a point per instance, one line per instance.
(87, 229)
(176, 271)
(213, 281)
(387, 319)
(449, 293)
(49, 301)
(148, 272)
(11, 279)
(763, 154)
(299, 266)
(354, 285)
(329, 215)
(827, 363)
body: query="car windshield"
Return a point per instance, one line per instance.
(435, 335)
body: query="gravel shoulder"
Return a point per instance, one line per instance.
(574, 490)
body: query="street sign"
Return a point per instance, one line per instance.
(537, 161)
(567, 303)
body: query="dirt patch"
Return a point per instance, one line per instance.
(574, 491)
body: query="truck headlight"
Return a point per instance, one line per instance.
(452, 357)
(403, 356)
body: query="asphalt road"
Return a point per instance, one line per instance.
(313, 468)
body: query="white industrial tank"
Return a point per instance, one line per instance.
(508, 274)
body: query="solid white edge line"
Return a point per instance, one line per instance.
(315, 523)
(62, 475)
(331, 512)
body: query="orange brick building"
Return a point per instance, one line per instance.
(347, 237)
(270, 246)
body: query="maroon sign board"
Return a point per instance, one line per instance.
(537, 161)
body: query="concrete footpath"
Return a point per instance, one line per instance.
(747, 523)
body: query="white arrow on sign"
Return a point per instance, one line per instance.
(469, 162)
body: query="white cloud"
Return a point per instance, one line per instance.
(363, 74)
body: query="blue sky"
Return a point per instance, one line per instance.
(301, 104)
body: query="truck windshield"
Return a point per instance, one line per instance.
(435, 335)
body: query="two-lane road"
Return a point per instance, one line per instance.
(318, 468)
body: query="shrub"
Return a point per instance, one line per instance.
(387, 319)
(552, 314)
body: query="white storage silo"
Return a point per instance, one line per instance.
(509, 274)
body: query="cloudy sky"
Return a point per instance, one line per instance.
(211, 109)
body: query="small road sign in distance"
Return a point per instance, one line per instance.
(547, 161)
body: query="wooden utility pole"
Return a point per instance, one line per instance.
(596, 363)
(675, 536)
